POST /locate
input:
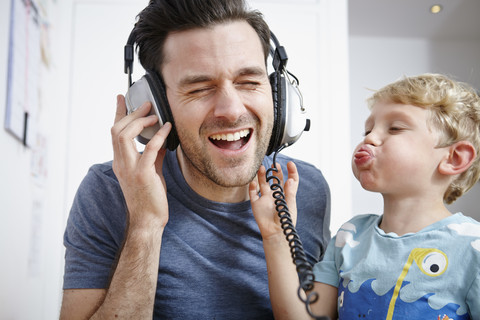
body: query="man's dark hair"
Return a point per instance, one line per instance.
(162, 17)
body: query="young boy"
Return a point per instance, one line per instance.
(416, 260)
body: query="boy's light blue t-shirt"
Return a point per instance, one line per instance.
(431, 274)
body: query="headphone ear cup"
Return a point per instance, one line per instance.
(160, 95)
(277, 82)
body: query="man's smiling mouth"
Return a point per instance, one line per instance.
(231, 141)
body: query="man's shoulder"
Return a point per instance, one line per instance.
(312, 180)
(101, 176)
(102, 170)
(302, 165)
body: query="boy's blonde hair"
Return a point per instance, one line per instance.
(455, 113)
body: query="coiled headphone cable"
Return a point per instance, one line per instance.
(304, 269)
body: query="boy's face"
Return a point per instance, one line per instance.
(398, 155)
(221, 100)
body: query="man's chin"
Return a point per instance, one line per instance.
(233, 177)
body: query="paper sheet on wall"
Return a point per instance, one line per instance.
(23, 71)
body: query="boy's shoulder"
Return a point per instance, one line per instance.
(464, 226)
(361, 220)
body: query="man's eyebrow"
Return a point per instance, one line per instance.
(188, 80)
(247, 71)
(253, 71)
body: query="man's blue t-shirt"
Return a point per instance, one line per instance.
(432, 274)
(212, 263)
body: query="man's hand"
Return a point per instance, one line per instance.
(140, 175)
(131, 293)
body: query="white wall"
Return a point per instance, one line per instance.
(77, 109)
(375, 62)
(32, 213)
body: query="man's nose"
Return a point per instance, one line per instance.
(228, 103)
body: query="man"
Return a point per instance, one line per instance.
(170, 234)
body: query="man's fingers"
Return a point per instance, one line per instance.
(152, 148)
(126, 128)
(121, 111)
(121, 117)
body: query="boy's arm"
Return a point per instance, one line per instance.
(282, 275)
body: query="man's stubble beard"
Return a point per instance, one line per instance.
(235, 175)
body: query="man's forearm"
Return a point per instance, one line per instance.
(131, 294)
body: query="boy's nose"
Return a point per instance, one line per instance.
(372, 138)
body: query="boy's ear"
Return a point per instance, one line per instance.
(460, 157)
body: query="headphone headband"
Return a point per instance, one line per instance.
(128, 54)
(279, 54)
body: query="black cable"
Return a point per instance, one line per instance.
(304, 269)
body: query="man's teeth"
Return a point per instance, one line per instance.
(231, 136)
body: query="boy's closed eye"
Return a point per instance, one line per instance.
(395, 129)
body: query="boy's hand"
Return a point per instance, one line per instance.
(263, 205)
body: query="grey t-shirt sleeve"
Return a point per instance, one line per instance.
(93, 237)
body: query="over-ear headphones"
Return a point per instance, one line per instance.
(289, 113)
